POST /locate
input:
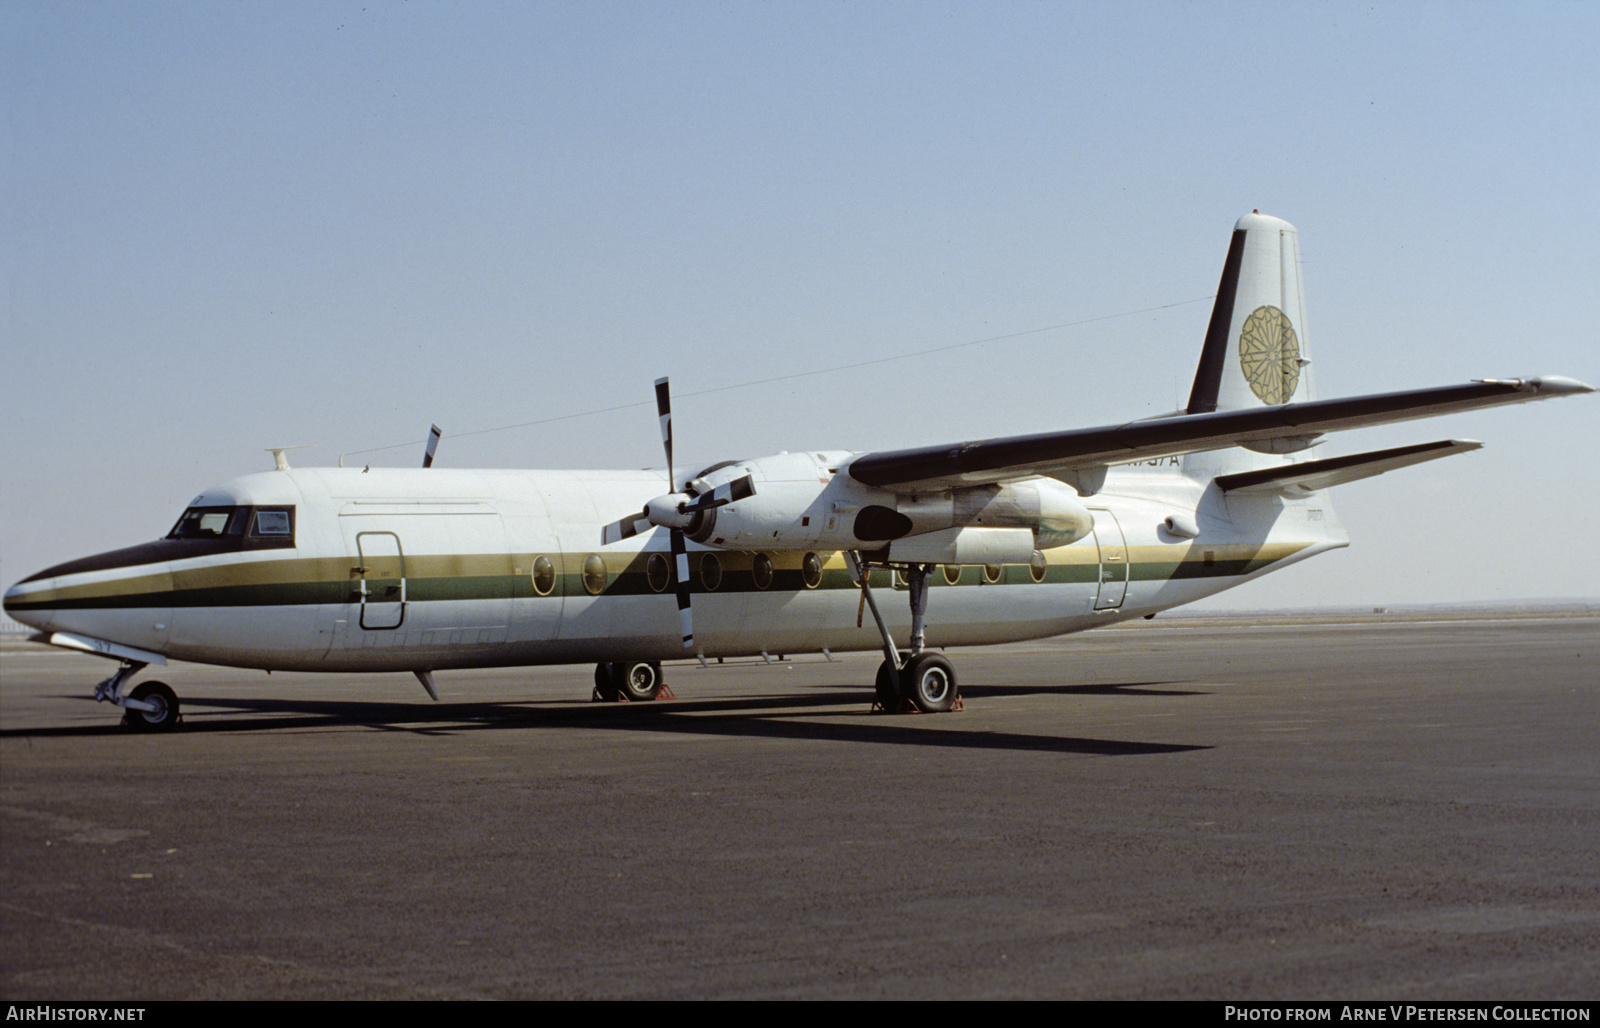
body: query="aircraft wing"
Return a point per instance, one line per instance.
(1063, 453)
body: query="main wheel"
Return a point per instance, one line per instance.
(639, 682)
(162, 719)
(605, 683)
(888, 696)
(929, 682)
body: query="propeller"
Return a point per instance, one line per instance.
(676, 512)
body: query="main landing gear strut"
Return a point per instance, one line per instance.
(907, 679)
(149, 707)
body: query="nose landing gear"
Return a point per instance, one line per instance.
(150, 707)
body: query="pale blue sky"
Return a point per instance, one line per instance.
(236, 225)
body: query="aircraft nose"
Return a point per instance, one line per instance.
(121, 597)
(17, 610)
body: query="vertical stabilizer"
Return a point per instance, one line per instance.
(1256, 352)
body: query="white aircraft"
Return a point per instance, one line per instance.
(426, 569)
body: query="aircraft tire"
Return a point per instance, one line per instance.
(164, 719)
(638, 681)
(930, 683)
(605, 683)
(887, 697)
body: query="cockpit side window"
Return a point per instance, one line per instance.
(273, 526)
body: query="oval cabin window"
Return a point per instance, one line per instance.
(594, 574)
(544, 576)
(658, 571)
(710, 572)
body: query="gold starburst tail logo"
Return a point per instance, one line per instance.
(1269, 355)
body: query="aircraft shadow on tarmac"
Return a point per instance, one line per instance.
(793, 716)
(1096, 689)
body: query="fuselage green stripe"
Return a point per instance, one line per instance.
(263, 584)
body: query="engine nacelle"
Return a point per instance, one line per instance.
(1049, 509)
(802, 502)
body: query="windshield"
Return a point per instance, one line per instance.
(207, 523)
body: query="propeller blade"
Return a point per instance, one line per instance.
(664, 411)
(722, 495)
(433, 445)
(627, 528)
(670, 514)
(680, 564)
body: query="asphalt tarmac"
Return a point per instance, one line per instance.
(1188, 811)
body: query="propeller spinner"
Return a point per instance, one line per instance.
(676, 512)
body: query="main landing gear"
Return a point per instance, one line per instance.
(907, 679)
(150, 707)
(630, 682)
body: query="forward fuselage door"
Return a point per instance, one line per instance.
(1113, 559)
(381, 579)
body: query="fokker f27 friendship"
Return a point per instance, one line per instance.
(427, 569)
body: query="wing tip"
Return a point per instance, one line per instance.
(1542, 385)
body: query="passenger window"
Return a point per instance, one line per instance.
(658, 572)
(544, 575)
(594, 574)
(710, 572)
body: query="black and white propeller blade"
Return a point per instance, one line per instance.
(680, 574)
(663, 508)
(627, 528)
(722, 495)
(664, 412)
(676, 511)
(433, 446)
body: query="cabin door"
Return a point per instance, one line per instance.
(380, 580)
(1113, 559)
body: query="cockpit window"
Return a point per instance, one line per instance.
(273, 522)
(207, 523)
(237, 528)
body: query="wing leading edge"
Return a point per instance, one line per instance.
(1058, 454)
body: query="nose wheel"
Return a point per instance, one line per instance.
(157, 709)
(150, 707)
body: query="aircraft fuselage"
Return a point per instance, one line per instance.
(411, 569)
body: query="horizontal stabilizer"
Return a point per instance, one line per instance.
(1320, 474)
